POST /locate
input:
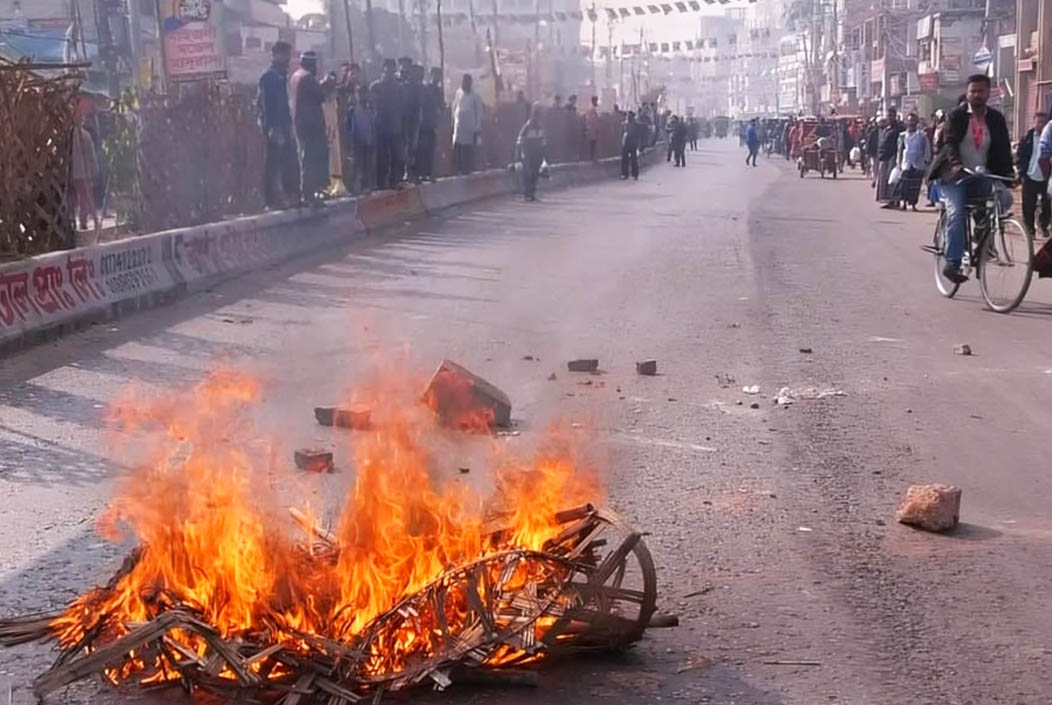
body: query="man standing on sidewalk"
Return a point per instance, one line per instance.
(467, 126)
(280, 166)
(432, 102)
(1035, 181)
(914, 156)
(630, 144)
(387, 107)
(591, 129)
(308, 95)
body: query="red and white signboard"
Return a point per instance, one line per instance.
(191, 40)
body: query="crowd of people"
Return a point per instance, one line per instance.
(391, 126)
(952, 153)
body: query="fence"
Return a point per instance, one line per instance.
(36, 127)
(176, 161)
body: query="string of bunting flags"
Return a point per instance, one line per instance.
(619, 13)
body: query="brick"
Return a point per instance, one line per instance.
(464, 400)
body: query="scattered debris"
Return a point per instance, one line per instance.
(583, 365)
(791, 663)
(585, 383)
(463, 471)
(240, 320)
(464, 400)
(806, 351)
(725, 380)
(751, 389)
(754, 405)
(787, 396)
(962, 349)
(314, 460)
(930, 507)
(881, 522)
(527, 357)
(359, 418)
(647, 368)
(552, 377)
(735, 325)
(804, 529)
(660, 620)
(698, 593)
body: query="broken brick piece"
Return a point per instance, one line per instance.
(647, 368)
(583, 365)
(466, 401)
(359, 418)
(313, 460)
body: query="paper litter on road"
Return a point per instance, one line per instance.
(751, 389)
(788, 396)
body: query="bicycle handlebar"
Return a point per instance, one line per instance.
(1008, 179)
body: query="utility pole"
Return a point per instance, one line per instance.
(593, 17)
(135, 39)
(496, 29)
(401, 28)
(441, 47)
(609, 53)
(107, 50)
(422, 19)
(350, 35)
(373, 57)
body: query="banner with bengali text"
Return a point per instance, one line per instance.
(191, 40)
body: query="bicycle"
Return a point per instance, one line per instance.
(1002, 250)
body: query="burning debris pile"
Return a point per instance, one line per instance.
(417, 583)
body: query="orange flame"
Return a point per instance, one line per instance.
(213, 537)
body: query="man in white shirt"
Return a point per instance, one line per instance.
(467, 126)
(1034, 180)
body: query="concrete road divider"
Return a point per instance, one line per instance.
(50, 295)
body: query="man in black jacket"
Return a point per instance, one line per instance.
(976, 139)
(887, 151)
(1035, 183)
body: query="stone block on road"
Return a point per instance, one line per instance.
(931, 507)
(464, 400)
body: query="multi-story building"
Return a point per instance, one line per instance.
(947, 42)
(754, 83)
(1033, 84)
(714, 62)
(791, 80)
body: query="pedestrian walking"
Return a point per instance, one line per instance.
(432, 102)
(873, 149)
(308, 95)
(631, 140)
(913, 157)
(591, 129)
(531, 146)
(752, 142)
(281, 173)
(83, 171)
(467, 126)
(1037, 210)
(361, 134)
(692, 132)
(887, 151)
(678, 139)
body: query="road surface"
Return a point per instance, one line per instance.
(772, 528)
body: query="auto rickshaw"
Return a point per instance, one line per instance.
(817, 148)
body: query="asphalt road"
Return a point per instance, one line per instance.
(772, 528)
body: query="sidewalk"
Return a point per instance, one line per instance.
(50, 295)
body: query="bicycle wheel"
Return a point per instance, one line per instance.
(1006, 266)
(945, 286)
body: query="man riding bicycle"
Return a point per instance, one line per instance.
(975, 140)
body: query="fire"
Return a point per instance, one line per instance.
(216, 541)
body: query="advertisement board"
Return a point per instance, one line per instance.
(191, 40)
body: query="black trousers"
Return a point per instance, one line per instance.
(531, 173)
(281, 172)
(593, 149)
(680, 153)
(464, 158)
(388, 163)
(425, 153)
(629, 162)
(1034, 191)
(752, 155)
